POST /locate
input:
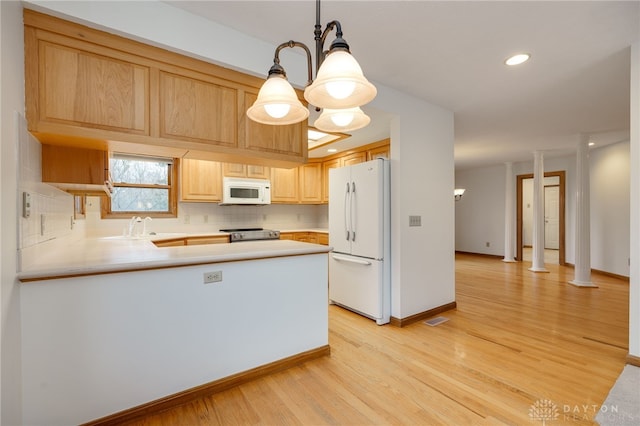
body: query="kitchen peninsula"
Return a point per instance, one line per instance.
(115, 323)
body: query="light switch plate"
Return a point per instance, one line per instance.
(26, 205)
(415, 220)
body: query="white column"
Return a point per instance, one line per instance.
(508, 214)
(582, 270)
(538, 213)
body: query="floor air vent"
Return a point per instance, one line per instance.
(436, 321)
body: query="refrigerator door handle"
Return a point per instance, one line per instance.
(352, 221)
(350, 259)
(347, 201)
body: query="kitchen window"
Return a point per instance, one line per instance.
(142, 186)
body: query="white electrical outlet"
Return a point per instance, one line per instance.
(212, 277)
(26, 205)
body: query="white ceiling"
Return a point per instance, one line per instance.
(451, 54)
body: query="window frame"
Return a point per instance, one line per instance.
(172, 186)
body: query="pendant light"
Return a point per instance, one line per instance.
(277, 102)
(339, 85)
(341, 120)
(340, 82)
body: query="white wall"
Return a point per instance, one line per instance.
(422, 175)
(634, 286)
(480, 212)
(422, 260)
(11, 103)
(609, 183)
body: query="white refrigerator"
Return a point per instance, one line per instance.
(359, 232)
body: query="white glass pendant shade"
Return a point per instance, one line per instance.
(341, 120)
(340, 83)
(277, 103)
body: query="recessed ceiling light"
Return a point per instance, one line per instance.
(332, 150)
(592, 143)
(517, 59)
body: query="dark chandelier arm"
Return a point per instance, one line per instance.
(276, 68)
(339, 43)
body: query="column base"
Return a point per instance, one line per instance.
(512, 260)
(585, 284)
(532, 269)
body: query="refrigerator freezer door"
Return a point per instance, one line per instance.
(357, 284)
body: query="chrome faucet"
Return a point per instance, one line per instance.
(132, 226)
(144, 225)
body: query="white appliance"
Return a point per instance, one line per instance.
(245, 191)
(359, 232)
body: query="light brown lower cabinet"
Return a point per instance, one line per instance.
(193, 241)
(306, 237)
(323, 238)
(216, 239)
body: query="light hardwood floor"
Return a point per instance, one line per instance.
(517, 341)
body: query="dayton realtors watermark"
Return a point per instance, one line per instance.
(547, 411)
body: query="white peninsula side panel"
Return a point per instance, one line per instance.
(96, 345)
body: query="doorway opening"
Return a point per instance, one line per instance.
(554, 207)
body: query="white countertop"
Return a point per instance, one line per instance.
(90, 256)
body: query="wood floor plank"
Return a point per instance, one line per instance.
(516, 339)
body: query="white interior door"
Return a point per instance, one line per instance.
(552, 217)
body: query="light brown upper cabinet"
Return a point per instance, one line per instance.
(76, 170)
(246, 171)
(355, 158)
(284, 185)
(326, 166)
(92, 89)
(73, 83)
(74, 165)
(197, 111)
(310, 183)
(200, 181)
(257, 137)
(380, 151)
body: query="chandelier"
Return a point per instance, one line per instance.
(339, 89)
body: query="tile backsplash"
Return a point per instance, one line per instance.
(51, 210)
(209, 217)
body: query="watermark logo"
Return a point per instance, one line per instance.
(544, 410)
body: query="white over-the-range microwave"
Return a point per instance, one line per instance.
(245, 191)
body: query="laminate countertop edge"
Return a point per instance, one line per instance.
(60, 259)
